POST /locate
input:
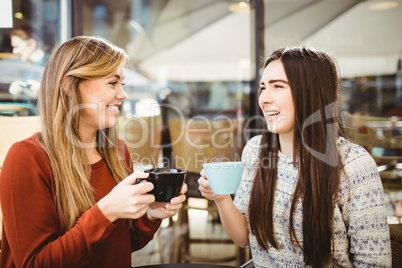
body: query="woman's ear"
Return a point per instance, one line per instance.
(65, 85)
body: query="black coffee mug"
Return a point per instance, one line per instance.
(167, 182)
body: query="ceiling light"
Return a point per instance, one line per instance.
(383, 5)
(239, 7)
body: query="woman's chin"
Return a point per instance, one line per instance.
(272, 128)
(111, 122)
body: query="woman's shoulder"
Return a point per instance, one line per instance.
(352, 152)
(29, 147)
(27, 153)
(253, 144)
(26, 156)
(256, 140)
(359, 165)
(251, 150)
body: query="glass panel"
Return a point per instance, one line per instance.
(188, 58)
(176, 51)
(24, 52)
(366, 40)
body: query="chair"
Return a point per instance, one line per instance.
(195, 142)
(249, 264)
(142, 135)
(382, 137)
(396, 246)
(14, 129)
(374, 131)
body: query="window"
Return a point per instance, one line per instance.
(25, 49)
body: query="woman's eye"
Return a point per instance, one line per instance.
(123, 83)
(278, 86)
(113, 83)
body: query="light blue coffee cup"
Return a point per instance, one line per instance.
(224, 177)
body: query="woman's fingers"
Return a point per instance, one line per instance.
(143, 199)
(138, 205)
(184, 188)
(137, 212)
(142, 188)
(203, 183)
(205, 188)
(202, 173)
(178, 200)
(128, 199)
(132, 178)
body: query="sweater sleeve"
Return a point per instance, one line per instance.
(35, 235)
(144, 230)
(363, 209)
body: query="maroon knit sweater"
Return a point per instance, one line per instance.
(34, 236)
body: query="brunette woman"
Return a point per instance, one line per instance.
(308, 196)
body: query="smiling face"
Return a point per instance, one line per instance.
(276, 101)
(100, 100)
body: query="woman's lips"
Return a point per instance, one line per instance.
(113, 107)
(273, 113)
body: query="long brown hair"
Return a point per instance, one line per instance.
(313, 79)
(77, 60)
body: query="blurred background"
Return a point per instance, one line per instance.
(202, 59)
(204, 56)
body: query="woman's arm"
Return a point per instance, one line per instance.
(146, 226)
(33, 230)
(144, 231)
(363, 209)
(233, 221)
(233, 215)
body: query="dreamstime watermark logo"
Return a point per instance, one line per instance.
(198, 134)
(137, 131)
(193, 162)
(329, 157)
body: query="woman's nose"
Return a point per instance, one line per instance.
(265, 96)
(121, 94)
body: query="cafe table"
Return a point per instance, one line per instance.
(185, 265)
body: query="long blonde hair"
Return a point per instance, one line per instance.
(79, 59)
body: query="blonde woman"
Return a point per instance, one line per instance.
(67, 195)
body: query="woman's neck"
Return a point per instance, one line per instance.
(92, 155)
(286, 143)
(89, 143)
